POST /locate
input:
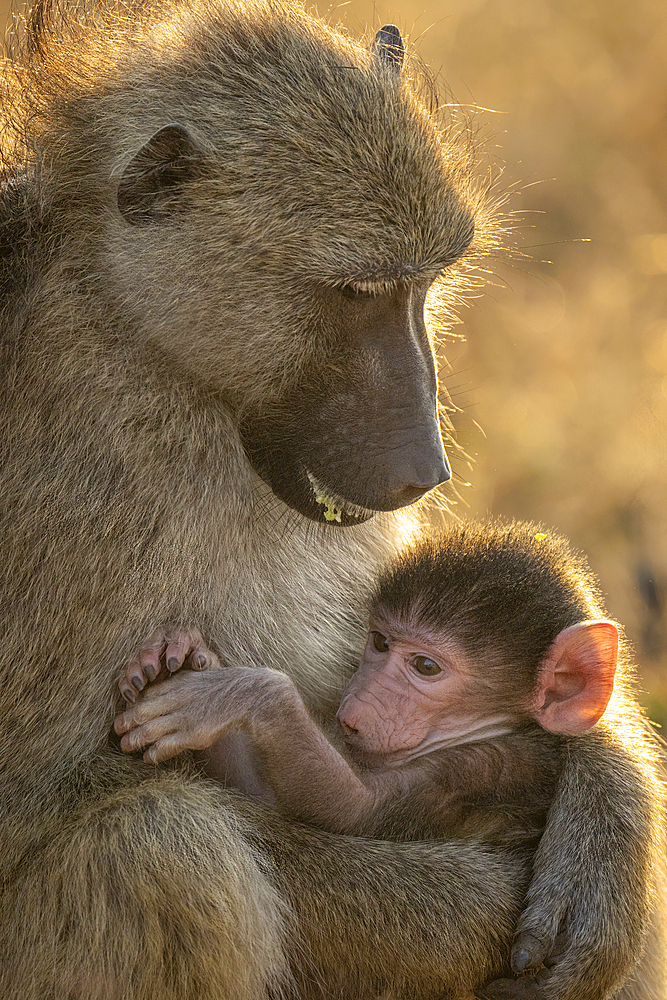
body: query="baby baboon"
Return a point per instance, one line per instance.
(482, 667)
(219, 226)
(480, 663)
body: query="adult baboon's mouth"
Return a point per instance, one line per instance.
(335, 505)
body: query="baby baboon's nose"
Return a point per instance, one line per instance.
(347, 730)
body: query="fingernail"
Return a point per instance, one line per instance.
(137, 683)
(172, 663)
(520, 960)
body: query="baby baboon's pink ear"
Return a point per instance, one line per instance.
(576, 677)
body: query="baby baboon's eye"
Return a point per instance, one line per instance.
(426, 666)
(380, 642)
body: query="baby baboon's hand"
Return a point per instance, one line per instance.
(192, 711)
(174, 714)
(163, 654)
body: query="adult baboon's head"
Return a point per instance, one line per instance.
(275, 205)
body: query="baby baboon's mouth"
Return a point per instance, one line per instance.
(336, 507)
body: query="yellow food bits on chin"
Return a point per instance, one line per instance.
(332, 513)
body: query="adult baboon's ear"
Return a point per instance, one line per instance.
(154, 175)
(388, 47)
(576, 677)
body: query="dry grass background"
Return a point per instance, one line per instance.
(565, 363)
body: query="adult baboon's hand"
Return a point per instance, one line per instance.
(588, 906)
(532, 956)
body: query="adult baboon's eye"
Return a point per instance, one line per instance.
(357, 292)
(426, 666)
(380, 642)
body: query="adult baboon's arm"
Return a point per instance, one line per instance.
(425, 918)
(416, 919)
(597, 876)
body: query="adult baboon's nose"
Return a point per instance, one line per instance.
(419, 472)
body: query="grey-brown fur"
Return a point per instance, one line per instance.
(134, 347)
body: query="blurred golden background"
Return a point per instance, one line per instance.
(565, 361)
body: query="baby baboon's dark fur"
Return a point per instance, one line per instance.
(217, 228)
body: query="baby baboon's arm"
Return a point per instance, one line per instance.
(311, 780)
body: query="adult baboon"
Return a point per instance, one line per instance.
(219, 227)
